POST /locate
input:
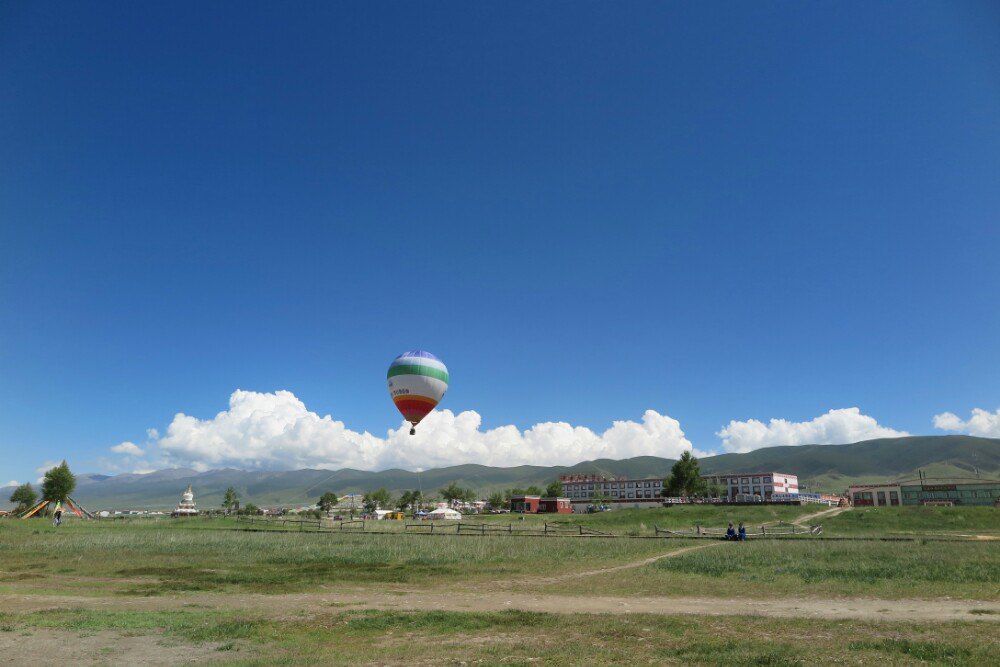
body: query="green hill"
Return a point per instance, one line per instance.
(833, 468)
(819, 468)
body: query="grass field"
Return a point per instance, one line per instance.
(210, 591)
(154, 558)
(928, 521)
(890, 570)
(518, 638)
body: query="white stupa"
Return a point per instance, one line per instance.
(186, 506)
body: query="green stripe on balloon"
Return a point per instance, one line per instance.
(413, 369)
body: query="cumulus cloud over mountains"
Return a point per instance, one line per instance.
(834, 427)
(277, 431)
(983, 423)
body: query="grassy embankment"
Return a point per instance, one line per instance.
(520, 638)
(914, 521)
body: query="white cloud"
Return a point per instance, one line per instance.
(129, 448)
(835, 427)
(277, 431)
(152, 433)
(982, 423)
(12, 482)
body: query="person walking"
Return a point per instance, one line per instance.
(57, 515)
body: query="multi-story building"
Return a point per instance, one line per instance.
(943, 491)
(612, 491)
(746, 485)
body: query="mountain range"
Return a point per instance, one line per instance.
(820, 468)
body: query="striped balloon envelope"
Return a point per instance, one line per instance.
(417, 382)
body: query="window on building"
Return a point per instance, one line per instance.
(746, 489)
(631, 495)
(767, 479)
(881, 497)
(745, 480)
(756, 490)
(893, 498)
(756, 480)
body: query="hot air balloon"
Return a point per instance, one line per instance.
(417, 382)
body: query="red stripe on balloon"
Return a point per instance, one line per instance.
(415, 406)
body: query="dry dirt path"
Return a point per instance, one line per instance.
(605, 570)
(292, 606)
(832, 511)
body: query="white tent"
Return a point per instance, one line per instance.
(443, 513)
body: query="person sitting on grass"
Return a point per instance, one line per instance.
(730, 532)
(743, 532)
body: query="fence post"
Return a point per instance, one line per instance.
(699, 528)
(581, 529)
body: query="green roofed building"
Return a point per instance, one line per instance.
(927, 491)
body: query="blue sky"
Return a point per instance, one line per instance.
(588, 210)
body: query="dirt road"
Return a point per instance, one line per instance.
(291, 606)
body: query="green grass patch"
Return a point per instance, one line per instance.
(923, 651)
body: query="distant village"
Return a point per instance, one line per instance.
(589, 493)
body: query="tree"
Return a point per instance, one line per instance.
(715, 491)
(554, 490)
(410, 500)
(377, 499)
(498, 502)
(600, 498)
(251, 509)
(230, 500)
(58, 484)
(533, 491)
(453, 492)
(24, 496)
(328, 501)
(685, 477)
